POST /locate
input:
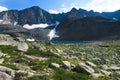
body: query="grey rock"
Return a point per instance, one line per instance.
(97, 75)
(5, 76)
(66, 64)
(1, 60)
(22, 74)
(91, 64)
(22, 46)
(114, 68)
(8, 71)
(8, 40)
(83, 68)
(116, 75)
(54, 65)
(106, 73)
(104, 67)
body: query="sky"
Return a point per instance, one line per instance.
(59, 6)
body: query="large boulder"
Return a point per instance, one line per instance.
(97, 75)
(114, 68)
(7, 71)
(22, 46)
(54, 65)
(8, 40)
(83, 68)
(5, 76)
(66, 64)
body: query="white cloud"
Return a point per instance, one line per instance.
(53, 11)
(103, 5)
(96, 5)
(27, 26)
(66, 8)
(3, 8)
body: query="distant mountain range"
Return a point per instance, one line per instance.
(75, 25)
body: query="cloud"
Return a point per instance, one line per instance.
(3, 8)
(53, 11)
(103, 5)
(67, 7)
(96, 5)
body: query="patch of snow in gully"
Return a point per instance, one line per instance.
(52, 33)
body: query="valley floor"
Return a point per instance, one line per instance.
(48, 61)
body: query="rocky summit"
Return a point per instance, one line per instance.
(39, 60)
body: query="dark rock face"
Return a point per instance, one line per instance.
(88, 28)
(11, 15)
(32, 15)
(112, 15)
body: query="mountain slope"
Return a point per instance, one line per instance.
(88, 28)
(32, 15)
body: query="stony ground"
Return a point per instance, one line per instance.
(47, 61)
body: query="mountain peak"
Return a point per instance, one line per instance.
(73, 9)
(35, 7)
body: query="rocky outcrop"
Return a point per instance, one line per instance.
(8, 40)
(7, 73)
(66, 64)
(5, 76)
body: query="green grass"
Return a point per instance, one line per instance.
(11, 50)
(10, 66)
(112, 46)
(37, 52)
(39, 78)
(61, 74)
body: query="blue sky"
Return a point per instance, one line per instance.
(56, 6)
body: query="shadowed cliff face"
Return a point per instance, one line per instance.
(88, 28)
(32, 15)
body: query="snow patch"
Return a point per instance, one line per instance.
(31, 40)
(15, 23)
(52, 33)
(1, 20)
(27, 26)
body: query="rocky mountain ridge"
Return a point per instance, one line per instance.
(35, 15)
